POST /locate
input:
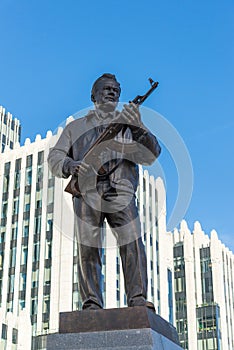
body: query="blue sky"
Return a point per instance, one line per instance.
(52, 51)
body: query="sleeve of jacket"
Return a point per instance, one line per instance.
(147, 147)
(61, 154)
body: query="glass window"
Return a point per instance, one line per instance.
(14, 231)
(25, 230)
(47, 276)
(29, 161)
(24, 255)
(1, 259)
(11, 283)
(27, 198)
(13, 257)
(4, 210)
(22, 304)
(2, 236)
(16, 206)
(48, 249)
(28, 177)
(39, 174)
(34, 306)
(49, 226)
(46, 304)
(14, 336)
(4, 331)
(23, 278)
(35, 275)
(36, 251)
(17, 180)
(50, 196)
(37, 224)
(40, 158)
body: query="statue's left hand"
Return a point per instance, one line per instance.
(130, 115)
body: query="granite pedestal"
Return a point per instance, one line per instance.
(114, 329)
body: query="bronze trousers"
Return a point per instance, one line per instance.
(119, 209)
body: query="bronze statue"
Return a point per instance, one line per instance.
(103, 186)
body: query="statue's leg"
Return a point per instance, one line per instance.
(125, 224)
(88, 223)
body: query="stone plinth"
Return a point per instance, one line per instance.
(114, 329)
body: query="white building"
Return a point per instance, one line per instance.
(203, 288)
(190, 275)
(10, 130)
(38, 266)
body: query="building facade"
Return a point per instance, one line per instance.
(10, 130)
(190, 275)
(203, 289)
(38, 260)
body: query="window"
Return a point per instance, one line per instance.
(12, 257)
(37, 228)
(46, 304)
(48, 249)
(50, 196)
(14, 232)
(14, 336)
(24, 255)
(36, 251)
(4, 331)
(4, 210)
(16, 206)
(47, 276)
(34, 304)
(17, 181)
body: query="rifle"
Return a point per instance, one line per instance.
(111, 131)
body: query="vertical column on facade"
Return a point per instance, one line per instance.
(33, 153)
(2, 231)
(232, 295)
(229, 297)
(231, 286)
(21, 156)
(190, 284)
(219, 283)
(140, 200)
(24, 331)
(7, 249)
(154, 233)
(64, 200)
(45, 301)
(164, 250)
(104, 232)
(147, 230)
(112, 288)
(198, 238)
(119, 271)
(44, 181)
(62, 274)
(62, 248)
(9, 119)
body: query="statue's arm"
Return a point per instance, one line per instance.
(146, 147)
(61, 155)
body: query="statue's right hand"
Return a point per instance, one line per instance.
(78, 168)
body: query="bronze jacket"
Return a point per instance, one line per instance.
(123, 153)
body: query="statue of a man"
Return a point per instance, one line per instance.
(107, 190)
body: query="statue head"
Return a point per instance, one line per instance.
(105, 92)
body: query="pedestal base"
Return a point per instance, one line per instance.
(134, 339)
(129, 328)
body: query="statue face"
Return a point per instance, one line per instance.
(107, 95)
